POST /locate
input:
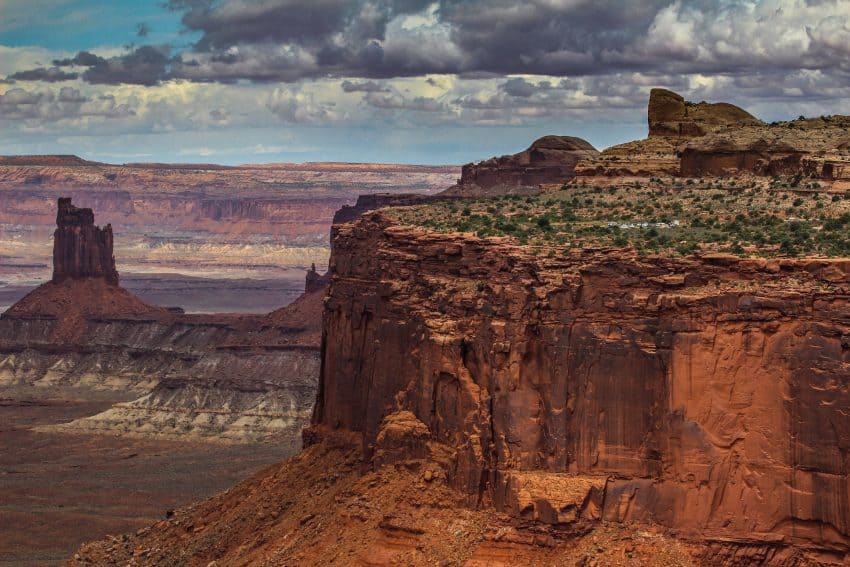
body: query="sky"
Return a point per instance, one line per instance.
(394, 81)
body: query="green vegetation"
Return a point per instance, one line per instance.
(743, 217)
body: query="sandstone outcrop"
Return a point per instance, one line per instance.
(81, 249)
(719, 139)
(550, 159)
(704, 394)
(324, 507)
(669, 114)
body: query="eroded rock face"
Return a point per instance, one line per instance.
(704, 394)
(81, 249)
(550, 159)
(669, 114)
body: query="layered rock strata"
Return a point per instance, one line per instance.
(217, 377)
(550, 159)
(704, 394)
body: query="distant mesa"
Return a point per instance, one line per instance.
(550, 159)
(46, 160)
(81, 249)
(669, 114)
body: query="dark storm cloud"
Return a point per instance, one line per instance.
(547, 38)
(82, 59)
(146, 65)
(291, 40)
(301, 22)
(45, 74)
(520, 87)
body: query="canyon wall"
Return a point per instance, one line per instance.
(706, 394)
(222, 378)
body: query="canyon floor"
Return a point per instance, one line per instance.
(59, 490)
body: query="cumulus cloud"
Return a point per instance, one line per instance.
(67, 103)
(290, 104)
(457, 64)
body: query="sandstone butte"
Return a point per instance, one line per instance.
(483, 404)
(219, 377)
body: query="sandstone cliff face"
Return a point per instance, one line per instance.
(704, 394)
(81, 249)
(550, 159)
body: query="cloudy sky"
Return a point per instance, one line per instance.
(248, 81)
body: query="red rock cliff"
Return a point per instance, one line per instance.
(708, 395)
(81, 249)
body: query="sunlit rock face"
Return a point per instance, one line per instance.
(704, 394)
